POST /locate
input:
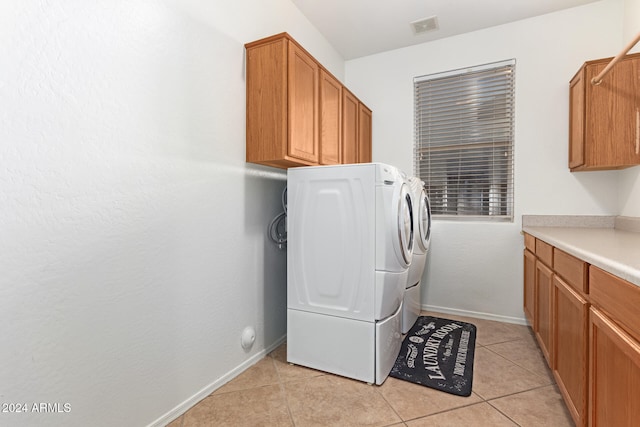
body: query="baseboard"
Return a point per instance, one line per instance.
(477, 314)
(206, 391)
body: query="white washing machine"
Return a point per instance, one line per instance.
(350, 241)
(412, 304)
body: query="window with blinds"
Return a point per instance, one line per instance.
(464, 127)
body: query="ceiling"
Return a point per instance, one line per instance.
(359, 28)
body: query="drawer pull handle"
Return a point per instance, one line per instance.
(637, 130)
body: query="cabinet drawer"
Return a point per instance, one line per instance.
(544, 252)
(617, 297)
(530, 242)
(571, 269)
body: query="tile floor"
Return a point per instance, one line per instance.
(512, 386)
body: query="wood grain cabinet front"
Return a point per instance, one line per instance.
(349, 127)
(587, 324)
(570, 332)
(614, 390)
(543, 317)
(529, 296)
(570, 337)
(604, 119)
(330, 118)
(282, 104)
(356, 130)
(614, 356)
(296, 111)
(364, 133)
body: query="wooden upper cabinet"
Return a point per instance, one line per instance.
(576, 121)
(282, 103)
(364, 134)
(330, 116)
(349, 127)
(295, 108)
(267, 103)
(356, 130)
(303, 105)
(604, 119)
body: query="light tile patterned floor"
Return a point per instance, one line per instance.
(512, 386)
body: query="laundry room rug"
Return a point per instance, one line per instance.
(438, 353)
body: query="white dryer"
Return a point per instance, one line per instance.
(412, 304)
(350, 241)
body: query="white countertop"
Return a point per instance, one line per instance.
(613, 250)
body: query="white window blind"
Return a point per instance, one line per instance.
(464, 125)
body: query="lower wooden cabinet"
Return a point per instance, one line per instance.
(543, 315)
(570, 337)
(614, 351)
(529, 285)
(587, 324)
(614, 391)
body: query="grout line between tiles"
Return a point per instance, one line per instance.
(507, 416)
(445, 411)
(389, 404)
(283, 390)
(551, 380)
(520, 392)
(489, 401)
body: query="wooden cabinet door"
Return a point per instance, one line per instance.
(330, 119)
(604, 119)
(611, 111)
(576, 121)
(529, 285)
(570, 338)
(303, 105)
(349, 127)
(543, 313)
(364, 134)
(614, 377)
(266, 122)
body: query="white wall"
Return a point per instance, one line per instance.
(476, 267)
(132, 233)
(630, 178)
(631, 22)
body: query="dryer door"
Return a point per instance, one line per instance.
(405, 224)
(424, 221)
